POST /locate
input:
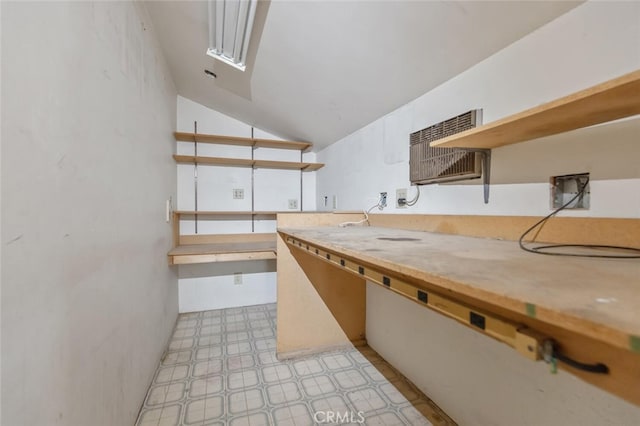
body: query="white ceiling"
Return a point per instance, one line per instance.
(319, 70)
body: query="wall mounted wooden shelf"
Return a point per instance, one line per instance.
(226, 213)
(206, 248)
(608, 101)
(242, 162)
(238, 141)
(223, 248)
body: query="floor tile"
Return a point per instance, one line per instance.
(209, 340)
(181, 344)
(276, 373)
(184, 332)
(267, 358)
(206, 368)
(210, 385)
(316, 386)
(207, 330)
(171, 374)
(262, 332)
(283, 393)
(336, 361)
(366, 400)
(201, 410)
(308, 367)
(240, 362)
(187, 323)
(244, 379)
(208, 352)
(238, 348)
(220, 368)
(236, 336)
(350, 379)
(333, 403)
(243, 401)
(265, 344)
(181, 357)
(384, 419)
(257, 419)
(161, 395)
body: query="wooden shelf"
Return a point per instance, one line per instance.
(223, 248)
(238, 141)
(242, 162)
(230, 247)
(608, 101)
(216, 161)
(232, 252)
(227, 213)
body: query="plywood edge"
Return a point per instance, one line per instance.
(226, 238)
(241, 141)
(226, 213)
(312, 167)
(220, 257)
(287, 165)
(212, 139)
(214, 161)
(295, 219)
(575, 230)
(272, 143)
(607, 101)
(244, 162)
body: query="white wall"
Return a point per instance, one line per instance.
(478, 381)
(592, 43)
(88, 300)
(474, 379)
(211, 286)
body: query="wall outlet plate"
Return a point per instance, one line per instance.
(335, 202)
(237, 278)
(401, 193)
(238, 194)
(383, 200)
(566, 187)
(293, 204)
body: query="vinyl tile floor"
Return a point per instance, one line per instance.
(221, 369)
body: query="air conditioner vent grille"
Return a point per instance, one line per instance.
(431, 165)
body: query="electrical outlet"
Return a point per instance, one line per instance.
(238, 194)
(565, 188)
(383, 200)
(237, 278)
(401, 198)
(293, 204)
(335, 202)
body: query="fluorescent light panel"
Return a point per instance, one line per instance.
(230, 24)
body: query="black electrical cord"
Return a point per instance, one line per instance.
(598, 368)
(551, 354)
(543, 249)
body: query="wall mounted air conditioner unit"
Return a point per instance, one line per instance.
(429, 165)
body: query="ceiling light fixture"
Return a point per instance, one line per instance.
(230, 24)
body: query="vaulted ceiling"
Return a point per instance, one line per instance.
(319, 70)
